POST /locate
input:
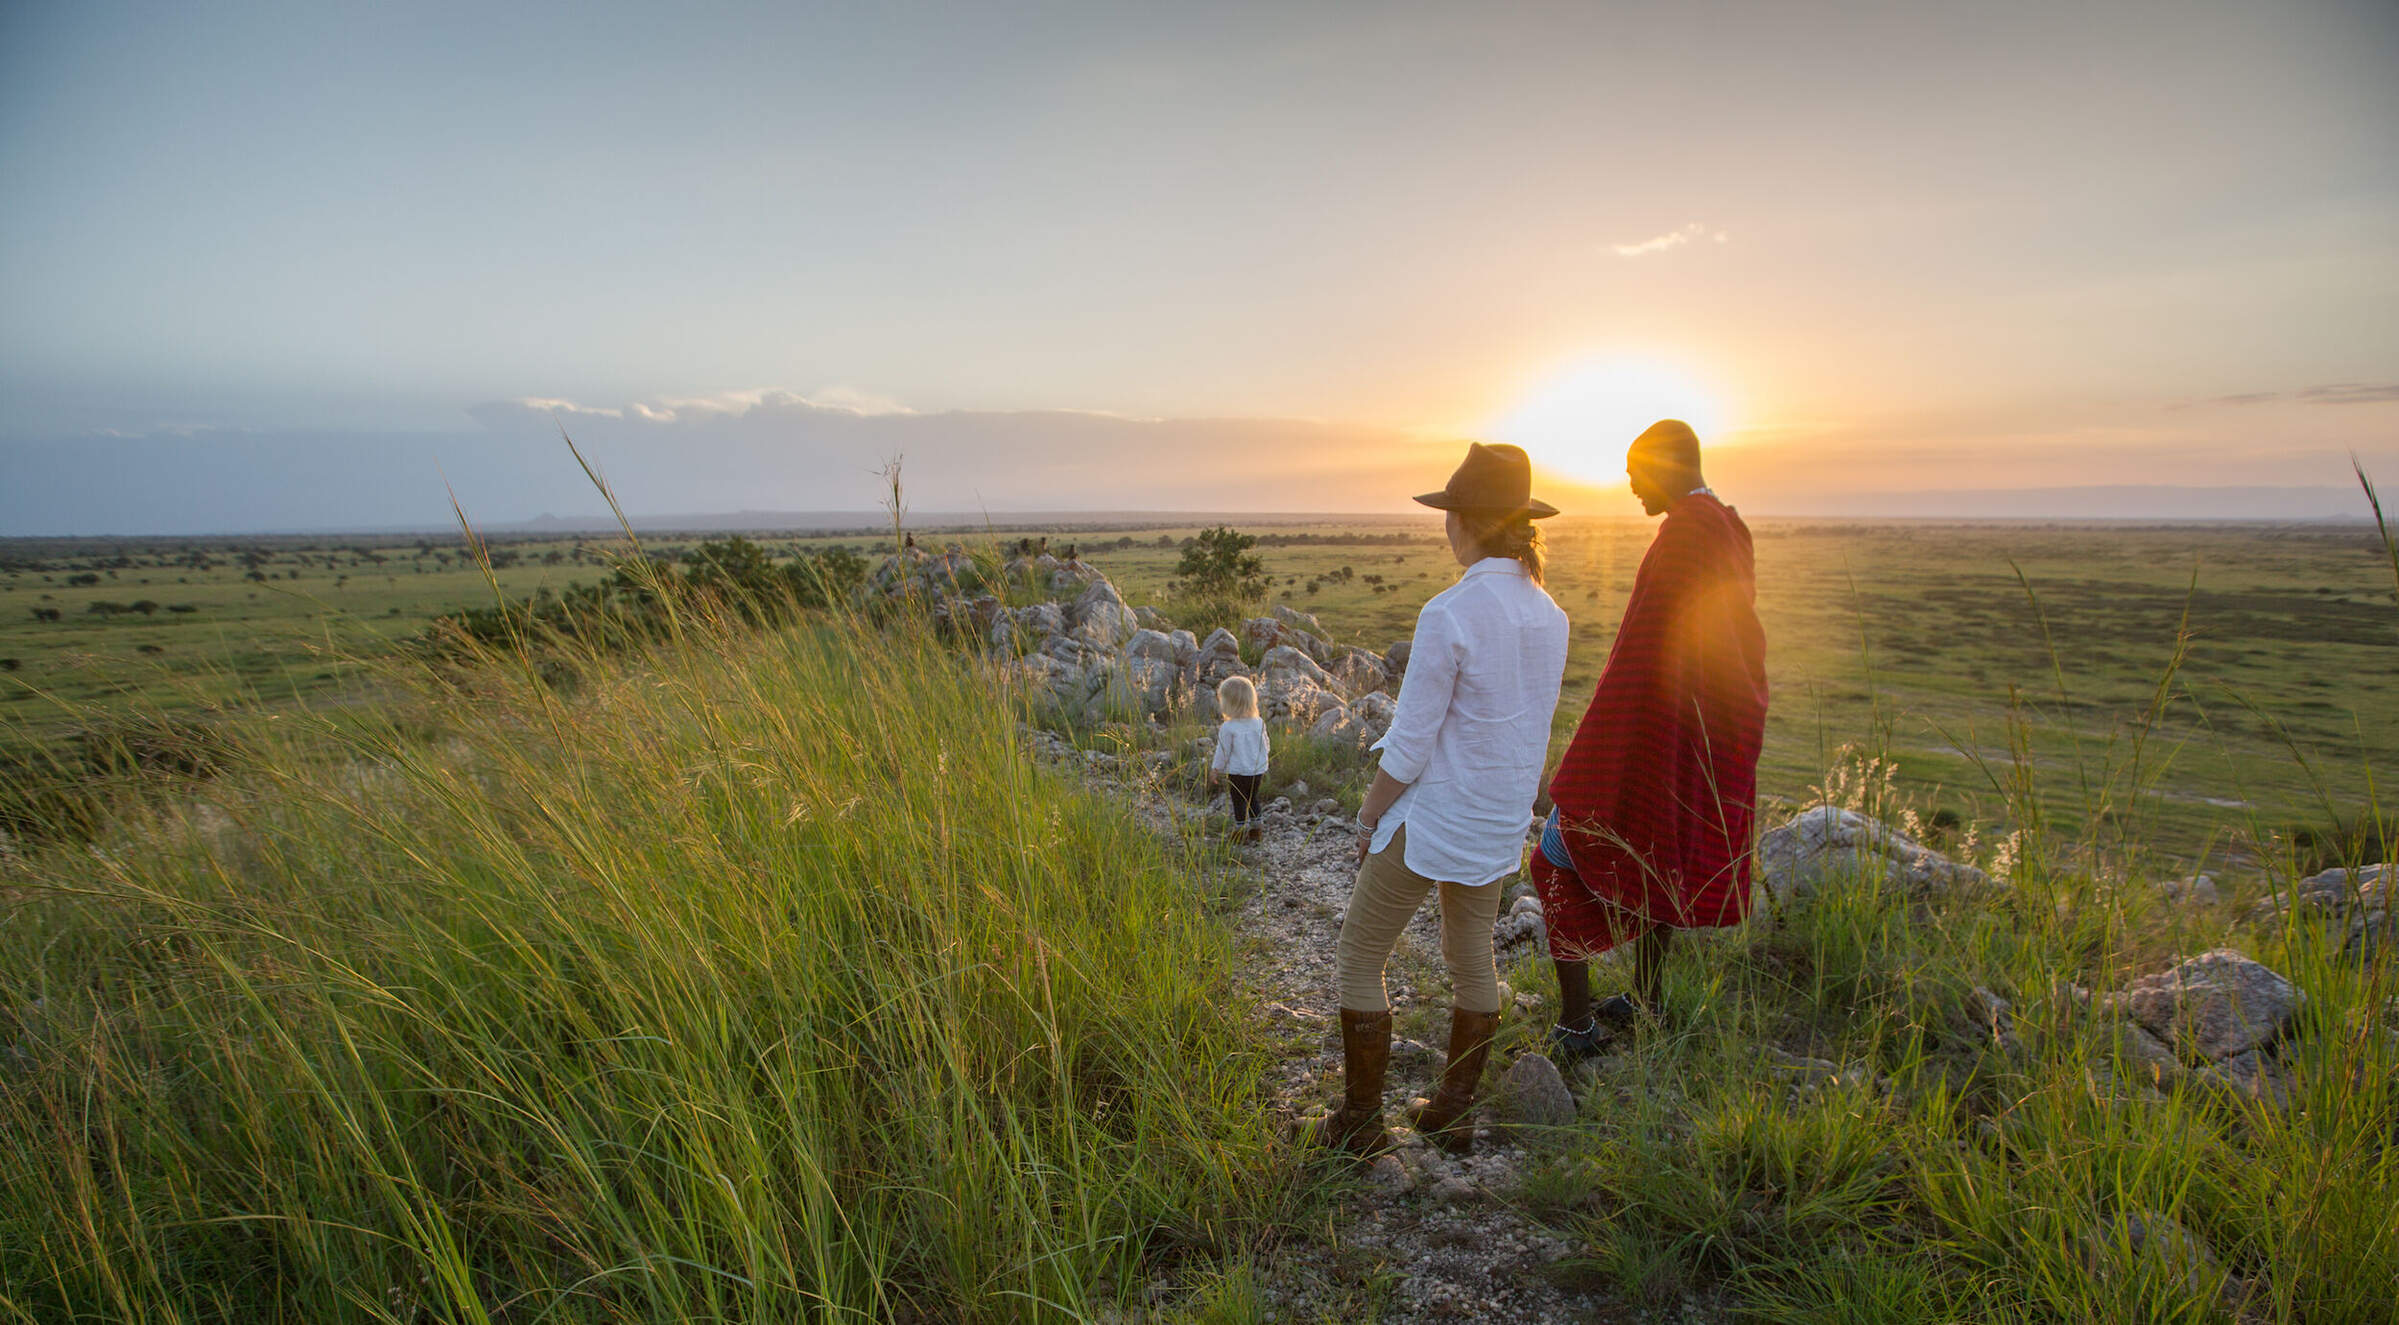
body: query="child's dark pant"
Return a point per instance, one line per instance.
(1244, 789)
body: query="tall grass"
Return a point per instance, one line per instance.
(760, 978)
(1937, 1162)
(1960, 1169)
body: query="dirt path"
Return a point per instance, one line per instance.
(1422, 1237)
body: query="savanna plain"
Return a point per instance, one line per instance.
(746, 965)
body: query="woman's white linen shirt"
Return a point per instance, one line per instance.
(1470, 733)
(1241, 747)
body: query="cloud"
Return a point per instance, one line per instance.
(1671, 239)
(821, 450)
(2334, 393)
(842, 400)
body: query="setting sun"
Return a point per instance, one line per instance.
(1579, 420)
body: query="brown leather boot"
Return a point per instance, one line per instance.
(1356, 1124)
(1446, 1119)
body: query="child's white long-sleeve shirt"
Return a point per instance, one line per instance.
(1241, 747)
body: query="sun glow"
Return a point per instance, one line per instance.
(1579, 421)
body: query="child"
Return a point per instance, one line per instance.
(1241, 750)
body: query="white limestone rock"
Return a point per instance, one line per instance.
(1824, 843)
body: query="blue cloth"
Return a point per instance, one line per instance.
(1553, 842)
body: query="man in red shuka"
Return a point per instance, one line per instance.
(1656, 793)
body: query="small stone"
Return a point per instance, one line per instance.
(1390, 1176)
(1532, 1094)
(2197, 890)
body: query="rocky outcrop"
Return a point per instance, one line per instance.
(2216, 1017)
(1824, 843)
(1093, 656)
(2347, 911)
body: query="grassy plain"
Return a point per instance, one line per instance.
(760, 975)
(2269, 654)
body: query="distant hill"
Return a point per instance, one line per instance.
(2119, 502)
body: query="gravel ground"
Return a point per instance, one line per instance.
(1420, 1237)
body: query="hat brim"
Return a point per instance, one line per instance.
(1442, 501)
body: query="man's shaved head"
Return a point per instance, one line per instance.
(1668, 443)
(1664, 464)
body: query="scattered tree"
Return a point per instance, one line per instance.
(1217, 564)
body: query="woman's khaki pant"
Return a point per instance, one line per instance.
(1382, 902)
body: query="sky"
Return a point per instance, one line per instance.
(323, 265)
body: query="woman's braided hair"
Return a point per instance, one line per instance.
(1508, 534)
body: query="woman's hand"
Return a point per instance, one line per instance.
(1379, 796)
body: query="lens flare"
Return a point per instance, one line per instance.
(1580, 420)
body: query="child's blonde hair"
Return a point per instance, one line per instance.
(1236, 697)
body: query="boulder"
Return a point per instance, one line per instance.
(2145, 1058)
(2254, 1075)
(1151, 644)
(1040, 621)
(1217, 657)
(1334, 722)
(1295, 700)
(1519, 927)
(1395, 662)
(1292, 616)
(1323, 650)
(1359, 672)
(1035, 672)
(1150, 685)
(2349, 911)
(2197, 890)
(1068, 579)
(1073, 650)
(1151, 618)
(1186, 647)
(1005, 636)
(1825, 842)
(1532, 1094)
(1100, 617)
(984, 613)
(1284, 663)
(2212, 1006)
(1261, 633)
(1373, 713)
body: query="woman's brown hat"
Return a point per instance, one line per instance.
(1496, 479)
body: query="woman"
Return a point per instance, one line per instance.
(1452, 795)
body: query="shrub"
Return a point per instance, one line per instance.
(1217, 564)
